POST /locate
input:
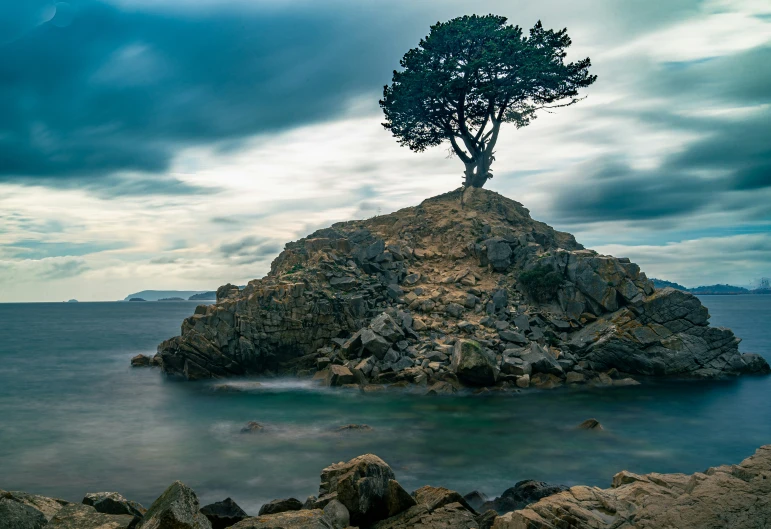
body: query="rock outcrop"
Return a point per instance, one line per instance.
(721, 497)
(176, 508)
(389, 299)
(113, 503)
(223, 514)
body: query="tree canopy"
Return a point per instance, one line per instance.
(470, 75)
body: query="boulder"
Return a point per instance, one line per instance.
(277, 506)
(113, 503)
(441, 388)
(451, 516)
(476, 499)
(374, 344)
(521, 495)
(513, 337)
(339, 376)
(590, 424)
(252, 426)
(16, 515)
(140, 360)
(304, 519)
(498, 253)
(542, 361)
(223, 514)
(386, 327)
(337, 514)
(486, 519)
(472, 364)
(79, 516)
(435, 497)
(366, 486)
(47, 506)
(176, 508)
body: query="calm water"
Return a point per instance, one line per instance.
(74, 418)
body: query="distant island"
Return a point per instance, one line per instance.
(72, 301)
(204, 296)
(158, 295)
(710, 289)
(137, 299)
(172, 299)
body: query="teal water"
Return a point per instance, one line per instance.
(75, 418)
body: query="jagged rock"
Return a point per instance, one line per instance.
(113, 503)
(498, 253)
(441, 388)
(223, 514)
(521, 495)
(513, 337)
(476, 499)
(337, 514)
(277, 506)
(252, 426)
(367, 488)
(486, 519)
(16, 515)
(343, 283)
(386, 327)
(176, 508)
(79, 516)
(722, 497)
(140, 360)
(542, 361)
(374, 344)
(472, 364)
(304, 519)
(339, 376)
(47, 506)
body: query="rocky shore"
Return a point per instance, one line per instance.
(364, 493)
(463, 290)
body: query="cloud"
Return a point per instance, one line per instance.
(33, 249)
(63, 269)
(250, 250)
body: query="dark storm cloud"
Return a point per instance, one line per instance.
(122, 91)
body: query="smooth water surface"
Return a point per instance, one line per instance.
(75, 418)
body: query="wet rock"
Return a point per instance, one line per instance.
(590, 424)
(364, 486)
(223, 514)
(542, 361)
(16, 515)
(176, 508)
(476, 499)
(79, 516)
(277, 506)
(140, 360)
(338, 376)
(472, 364)
(521, 495)
(435, 497)
(441, 388)
(304, 519)
(523, 381)
(251, 427)
(113, 503)
(544, 381)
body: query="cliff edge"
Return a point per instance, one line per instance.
(463, 289)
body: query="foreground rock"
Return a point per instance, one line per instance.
(307, 519)
(46, 506)
(79, 516)
(16, 515)
(477, 294)
(176, 508)
(277, 506)
(113, 503)
(223, 514)
(521, 495)
(722, 497)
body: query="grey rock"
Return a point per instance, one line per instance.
(374, 344)
(16, 515)
(113, 503)
(304, 519)
(472, 364)
(522, 322)
(542, 361)
(79, 516)
(176, 508)
(337, 514)
(521, 495)
(498, 253)
(385, 326)
(223, 514)
(343, 283)
(435, 497)
(476, 499)
(513, 337)
(454, 309)
(277, 506)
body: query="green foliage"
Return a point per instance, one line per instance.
(541, 283)
(473, 73)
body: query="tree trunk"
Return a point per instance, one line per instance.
(478, 171)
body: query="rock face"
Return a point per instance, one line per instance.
(79, 516)
(47, 506)
(223, 514)
(277, 506)
(16, 515)
(725, 496)
(176, 508)
(389, 298)
(521, 495)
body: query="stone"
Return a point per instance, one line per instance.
(451, 516)
(223, 514)
(476, 499)
(140, 360)
(79, 516)
(47, 506)
(545, 381)
(277, 506)
(113, 503)
(16, 515)
(513, 337)
(435, 497)
(251, 427)
(454, 309)
(575, 378)
(590, 424)
(339, 376)
(522, 494)
(522, 322)
(304, 519)
(542, 361)
(337, 514)
(441, 388)
(523, 381)
(343, 283)
(472, 364)
(374, 344)
(486, 519)
(364, 486)
(722, 497)
(498, 253)
(512, 365)
(176, 508)
(354, 427)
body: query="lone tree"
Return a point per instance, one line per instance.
(472, 74)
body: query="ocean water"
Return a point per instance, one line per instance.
(75, 418)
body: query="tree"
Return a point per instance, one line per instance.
(470, 75)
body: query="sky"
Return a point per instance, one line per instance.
(178, 144)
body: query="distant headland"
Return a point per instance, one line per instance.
(709, 290)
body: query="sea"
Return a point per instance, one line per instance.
(75, 418)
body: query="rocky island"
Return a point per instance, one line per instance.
(364, 493)
(465, 289)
